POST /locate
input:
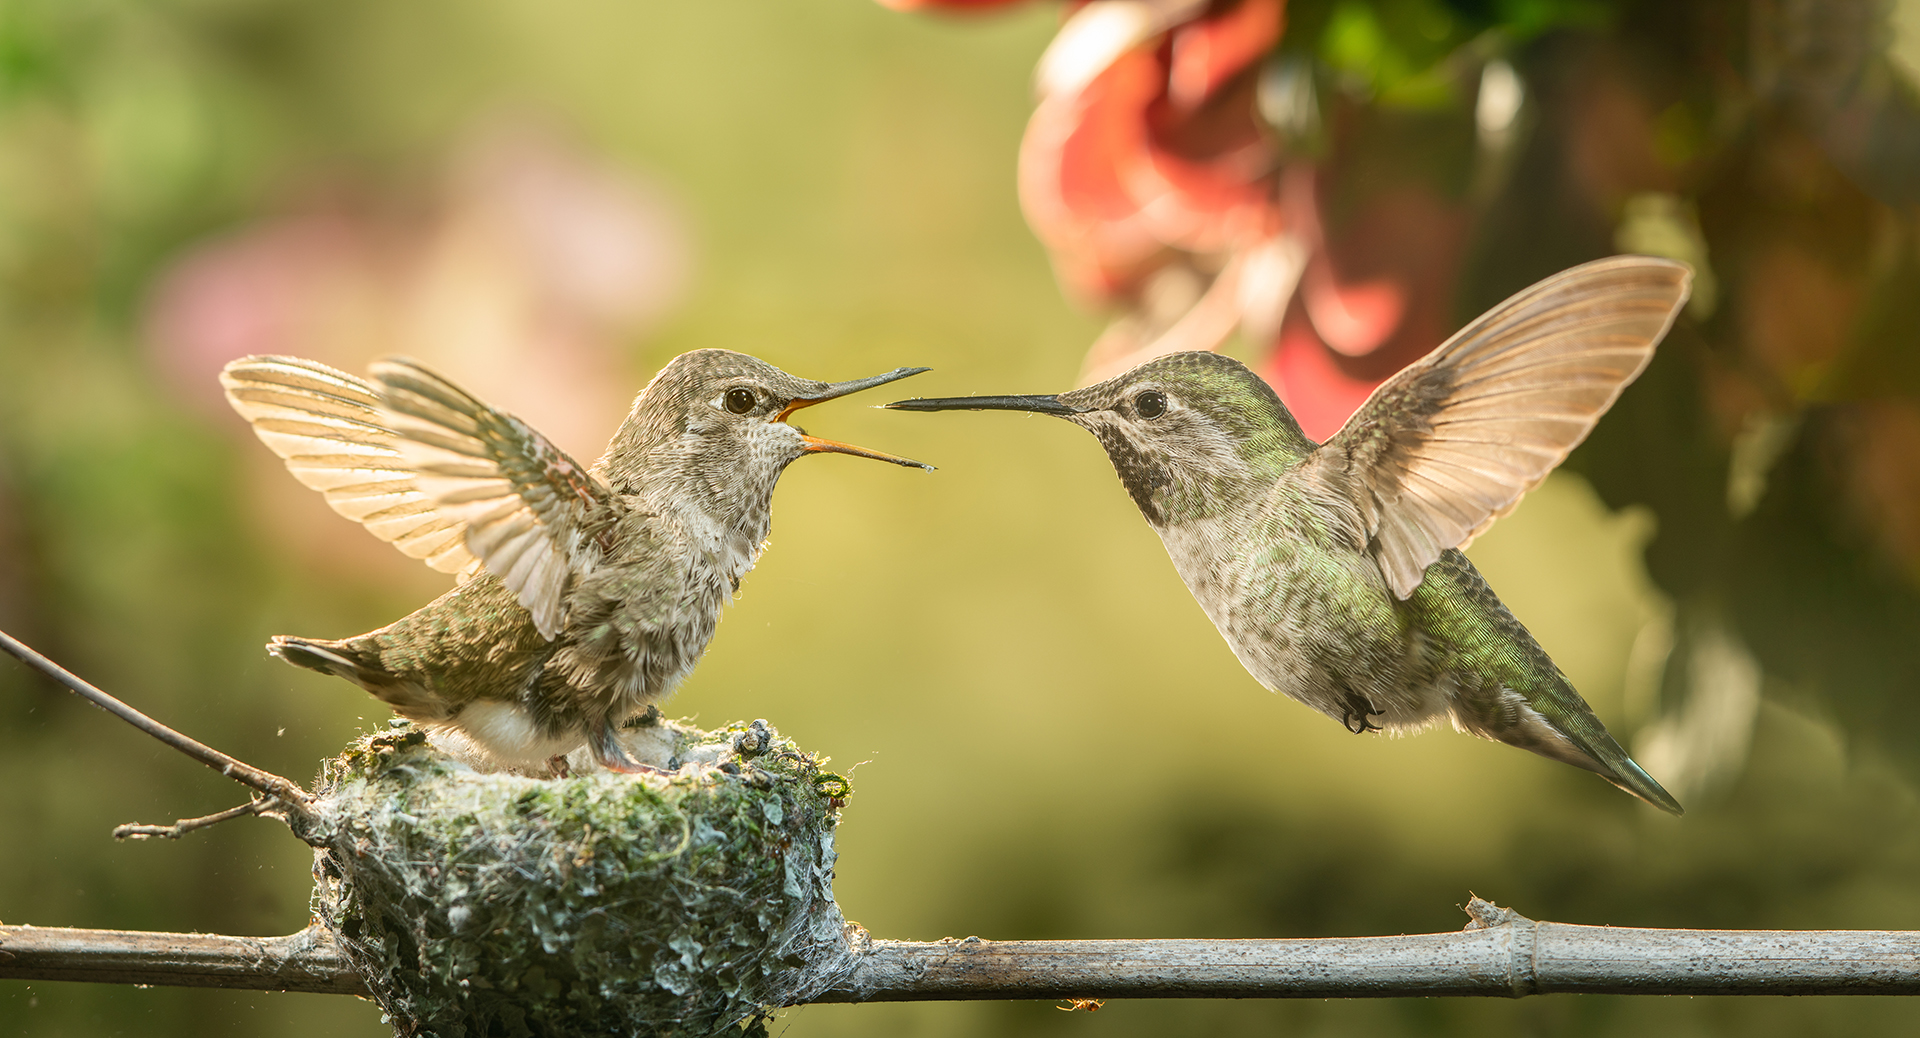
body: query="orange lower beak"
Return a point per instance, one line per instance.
(816, 445)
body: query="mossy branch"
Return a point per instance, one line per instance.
(1500, 954)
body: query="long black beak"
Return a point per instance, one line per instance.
(1035, 404)
(816, 445)
(835, 390)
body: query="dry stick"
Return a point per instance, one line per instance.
(1500, 954)
(137, 831)
(284, 790)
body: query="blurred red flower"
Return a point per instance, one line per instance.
(951, 5)
(1159, 190)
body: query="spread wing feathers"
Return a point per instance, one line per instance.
(1450, 444)
(335, 437)
(527, 507)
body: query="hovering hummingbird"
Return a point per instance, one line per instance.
(1334, 570)
(584, 594)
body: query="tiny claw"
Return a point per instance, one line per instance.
(1359, 715)
(611, 755)
(649, 717)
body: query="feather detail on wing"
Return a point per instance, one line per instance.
(526, 506)
(1452, 442)
(335, 437)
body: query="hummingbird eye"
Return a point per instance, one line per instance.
(1151, 404)
(740, 400)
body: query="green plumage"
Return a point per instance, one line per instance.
(1334, 570)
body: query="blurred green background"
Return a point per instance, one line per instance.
(1049, 740)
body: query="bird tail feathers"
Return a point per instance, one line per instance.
(407, 697)
(1569, 732)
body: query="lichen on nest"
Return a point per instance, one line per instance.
(480, 904)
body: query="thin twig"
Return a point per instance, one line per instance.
(1501, 954)
(284, 790)
(138, 831)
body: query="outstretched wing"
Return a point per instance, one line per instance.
(335, 437)
(1450, 444)
(526, 507)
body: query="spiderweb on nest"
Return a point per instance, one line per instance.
(502, 905)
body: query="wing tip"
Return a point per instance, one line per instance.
(1676, 274)
(397, 372)
(262, 363)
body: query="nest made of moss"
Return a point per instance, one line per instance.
(689, 903)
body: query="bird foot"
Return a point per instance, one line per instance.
(1359, 715)
(645, 719)
(613, 756)
(558, 767)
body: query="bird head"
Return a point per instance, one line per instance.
(713, 426)
(1190, 434)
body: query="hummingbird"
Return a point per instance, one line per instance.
(584, 594)
(1335, 570)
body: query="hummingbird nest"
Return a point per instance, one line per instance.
(479, 904)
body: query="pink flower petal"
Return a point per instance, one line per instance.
(1212, 50)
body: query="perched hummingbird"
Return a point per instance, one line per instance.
(1334, 570)
(584, 594)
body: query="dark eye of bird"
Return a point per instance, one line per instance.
(1151, 404)
(740, 400)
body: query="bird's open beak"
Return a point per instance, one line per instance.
(1035, 404)
(816, 445)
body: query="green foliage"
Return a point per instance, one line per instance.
(1409, 53)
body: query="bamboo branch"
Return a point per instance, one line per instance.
(305, 961)
(1501, 954)
(283, 790)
